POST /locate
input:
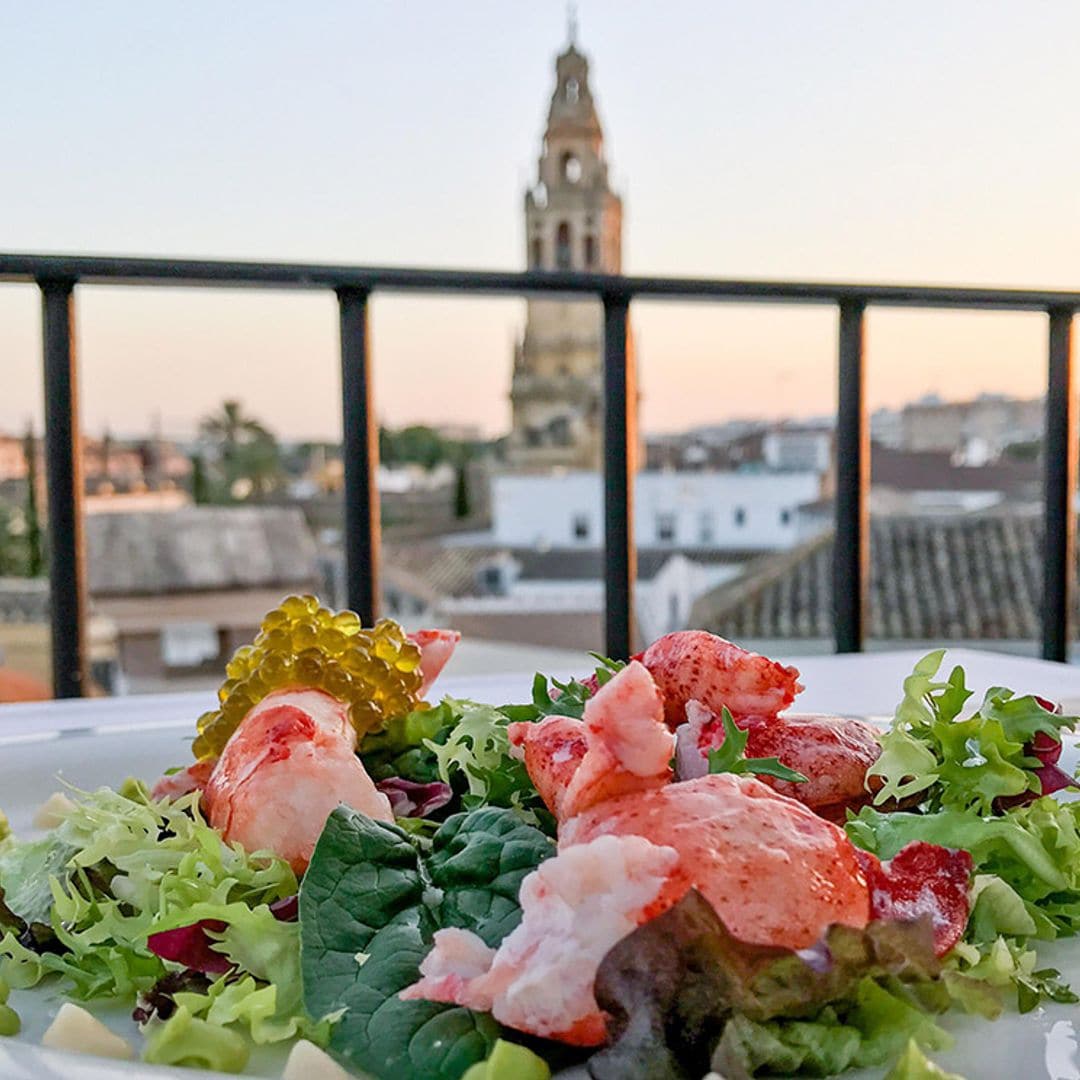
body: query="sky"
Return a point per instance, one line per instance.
(917, 142)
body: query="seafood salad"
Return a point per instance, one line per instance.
(660, 869)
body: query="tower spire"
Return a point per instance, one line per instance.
(571, 23)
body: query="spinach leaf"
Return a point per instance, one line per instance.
(478, 861)
(369, 905)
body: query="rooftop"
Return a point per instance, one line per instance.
(931, 578)
(197, 549)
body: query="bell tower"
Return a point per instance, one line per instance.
(573, 221)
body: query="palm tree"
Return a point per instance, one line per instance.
(244, 450)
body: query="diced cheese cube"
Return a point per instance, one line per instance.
(53, 811)
(76, 1030)
(308, 1062)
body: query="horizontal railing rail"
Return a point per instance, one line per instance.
(58, 275)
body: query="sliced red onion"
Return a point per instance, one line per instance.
(287, 909)
(411, 799)
(690, 760)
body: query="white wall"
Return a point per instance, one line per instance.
(753, 511)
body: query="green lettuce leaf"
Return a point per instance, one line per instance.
(369, 905)
(476, 753)
(400, 748)
(863, 1033)
(462, 743)
(955, 763)
(913, 1065)
(25, 873)
(188, 1041)
(270, 1003)
(136, 866)
(673, 986)
(509, 1061)
(1034, 849)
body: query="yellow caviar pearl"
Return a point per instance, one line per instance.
(375, 671)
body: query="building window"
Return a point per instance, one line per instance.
(536, 253)
(492, 578)
(572, 91)
(559, 431)
(562, 246)
(571, 168)
(189, 644)
(785, 517)
(590, 251)
(665, 528)
(707, 528)
(581, 526)
(740, 517)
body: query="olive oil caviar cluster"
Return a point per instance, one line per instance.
(375, 670)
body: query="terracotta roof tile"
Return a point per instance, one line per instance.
(949, 578)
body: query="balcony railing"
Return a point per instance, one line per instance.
(57, 277)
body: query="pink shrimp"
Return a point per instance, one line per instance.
(291, 761)
(574, 907)
(436, 648)
(694, 665)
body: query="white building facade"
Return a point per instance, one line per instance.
(746, 511)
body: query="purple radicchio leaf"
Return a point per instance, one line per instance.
(160, 1000)
(411, 799)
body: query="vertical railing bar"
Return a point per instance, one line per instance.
(620, 441)
(360, 448)
(852, 541)
(1059, 572)
(64, 487)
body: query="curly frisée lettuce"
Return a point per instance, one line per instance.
(945, 762)
(121, 868)
(461, 743)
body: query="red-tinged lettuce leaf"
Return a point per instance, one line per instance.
(670, 986)
(160, 1000)
(922, 880)
(411, 799)
(192, 946)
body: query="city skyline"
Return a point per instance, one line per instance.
(771, 142)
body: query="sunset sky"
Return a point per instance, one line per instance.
(922, 141)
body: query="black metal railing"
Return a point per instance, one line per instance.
(57, 277)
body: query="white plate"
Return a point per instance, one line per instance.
(1041, 1045)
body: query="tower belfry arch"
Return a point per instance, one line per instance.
(573, 221)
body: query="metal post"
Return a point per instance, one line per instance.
(620, 441)
(1059, 574)
(64, 484)
(360, 441)
(852, 542)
